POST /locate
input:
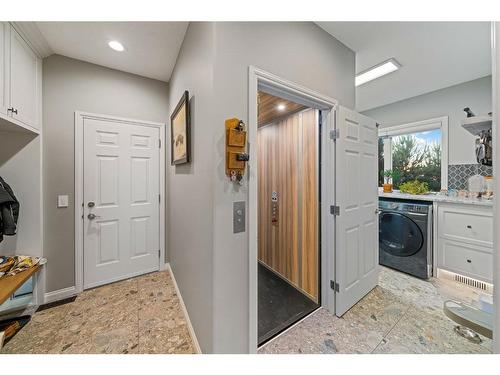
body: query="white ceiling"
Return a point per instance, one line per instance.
(433, 55)
(151, 48)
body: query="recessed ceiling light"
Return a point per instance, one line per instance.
(377, 71)
(116, 45)
(281, 107)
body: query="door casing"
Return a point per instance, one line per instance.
(79, 209)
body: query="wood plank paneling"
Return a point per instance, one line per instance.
(287, 164)
(310, 203)
(268, 108)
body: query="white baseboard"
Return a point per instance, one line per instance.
(60, 294)
(190, 326)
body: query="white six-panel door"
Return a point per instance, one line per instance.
(356, 194)
(121, 188)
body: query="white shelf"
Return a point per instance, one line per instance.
(475, 125)
(12, 125)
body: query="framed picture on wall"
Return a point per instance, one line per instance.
(179, 132)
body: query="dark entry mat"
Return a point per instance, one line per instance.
(280, 304)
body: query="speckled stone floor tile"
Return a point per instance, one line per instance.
(401, 315)
(421, 332)
(138, 315)
(161, 322)
(318, 333)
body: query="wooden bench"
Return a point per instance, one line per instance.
(9, 284)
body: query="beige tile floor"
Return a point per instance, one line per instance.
(401, 315)
(139, 315)
(143, 315)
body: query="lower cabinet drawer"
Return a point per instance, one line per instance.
(472, 225)
(467, 260)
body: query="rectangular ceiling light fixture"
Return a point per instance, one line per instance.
(377, 71)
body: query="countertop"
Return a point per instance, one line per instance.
(437, 198)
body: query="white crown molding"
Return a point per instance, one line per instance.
(30, 32)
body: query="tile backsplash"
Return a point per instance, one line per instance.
(458, 174)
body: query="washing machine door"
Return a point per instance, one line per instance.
(399, 235)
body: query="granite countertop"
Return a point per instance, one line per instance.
(437, 198)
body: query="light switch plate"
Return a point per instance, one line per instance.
(238, 217)
(62, 201)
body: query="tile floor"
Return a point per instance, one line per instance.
(401, 315)
(143, 315)
(139, 315)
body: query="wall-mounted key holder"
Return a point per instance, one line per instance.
(236, 142)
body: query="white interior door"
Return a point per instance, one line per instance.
(121, 188)
(356, 194)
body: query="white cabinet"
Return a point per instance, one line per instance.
(23, 81)
(467, 260)
(4, 63)
(20, 82)
(465, 240)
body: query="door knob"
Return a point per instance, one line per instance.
(92, 216)
(91, 204)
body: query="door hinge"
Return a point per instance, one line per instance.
(159, 143)
(159, 255)
(334, 134)
(159, 198)
(334, 285)
(335, 210)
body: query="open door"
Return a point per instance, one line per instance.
(356, 196)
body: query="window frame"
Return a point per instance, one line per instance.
(415, 127)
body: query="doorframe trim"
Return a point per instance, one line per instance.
(495, 57)
(329, 107)
(80, 116)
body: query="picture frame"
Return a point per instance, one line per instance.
(180, 140)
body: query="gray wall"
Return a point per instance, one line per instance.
(71, 85)
(446, 102)
(210, 263)
(190, 186)
(299, 52)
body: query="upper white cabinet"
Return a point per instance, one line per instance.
(23, 81)
(20, 82)
(4, 62)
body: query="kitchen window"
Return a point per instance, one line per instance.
(416, 151)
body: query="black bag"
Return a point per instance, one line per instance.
(9, 210)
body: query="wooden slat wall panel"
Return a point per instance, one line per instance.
(310, 203)
(268, 108)
(287, 163)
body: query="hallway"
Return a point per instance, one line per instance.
(138, 315)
